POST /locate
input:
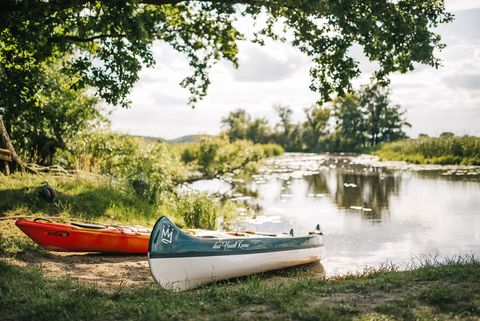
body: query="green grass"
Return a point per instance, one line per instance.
(95, 198)
(84, 197)
(426, 150)
(446, 291)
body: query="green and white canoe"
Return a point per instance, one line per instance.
(185, 259)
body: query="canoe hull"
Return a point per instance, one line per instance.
(183, 273)
(181, 261)
(69, 238)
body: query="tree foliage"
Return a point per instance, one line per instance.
(351, 123)
(58, 114)
(237, 123)
(316, 125)
(365, 119)
(212, 157)
(383, 120)
(109, 41)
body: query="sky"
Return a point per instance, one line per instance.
(435, 100)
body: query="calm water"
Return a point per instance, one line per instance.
(370, 214)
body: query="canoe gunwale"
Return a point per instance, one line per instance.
(225, 253)
(181, 244)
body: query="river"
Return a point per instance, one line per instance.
(372, 213)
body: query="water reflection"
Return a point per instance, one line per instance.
(370, 214)
(361, 190)
(369, 192)
(317, 184)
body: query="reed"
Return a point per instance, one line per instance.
(446, 150)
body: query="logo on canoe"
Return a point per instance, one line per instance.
(167, 234)
(227, 245)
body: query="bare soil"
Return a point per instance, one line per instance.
(105, 271)
(110, 271)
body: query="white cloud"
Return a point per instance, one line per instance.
(459, 5)
(260, 64)
(440, 100)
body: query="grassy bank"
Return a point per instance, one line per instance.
(98, 198)
(427, 150)
(95, 198)
(432, 292)
(124, 179)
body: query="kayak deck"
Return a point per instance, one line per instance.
(81, 237)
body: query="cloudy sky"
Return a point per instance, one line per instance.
(447, 99)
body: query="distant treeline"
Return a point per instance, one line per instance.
(352, 123)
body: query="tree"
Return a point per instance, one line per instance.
(296, 142)
(9, 159)
(384, 121)
(350, 123)
(58, 115)
(447, 134)
(286, 128)
(316, 125)
(108, 41)
(239, 125)
(259, 131)
(286, 125)
(236, 124)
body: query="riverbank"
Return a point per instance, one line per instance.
(88, 197)
(448, 150)
(433, 291)
(41, 285)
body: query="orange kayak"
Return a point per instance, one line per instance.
(79, 237)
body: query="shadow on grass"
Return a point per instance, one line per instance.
(90, 203)
(77, 258)
(314, 269)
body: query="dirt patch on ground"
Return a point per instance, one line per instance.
(108, 271)
(105, 271)
(111, 271)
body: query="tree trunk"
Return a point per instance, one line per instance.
(10, 162)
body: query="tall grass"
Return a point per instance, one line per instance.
(463, 150)
(101, 199)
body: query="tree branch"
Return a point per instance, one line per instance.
(162, 2)
(88, 39)
(219, 174)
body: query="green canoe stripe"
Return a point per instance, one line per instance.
(221, 252)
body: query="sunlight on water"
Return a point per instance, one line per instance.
(370, 214)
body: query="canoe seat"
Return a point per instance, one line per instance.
(85, 225)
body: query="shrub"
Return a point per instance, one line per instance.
(270, 150)
(214, 156)
(198, 210)
(151, 168)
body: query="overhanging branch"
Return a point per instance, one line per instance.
(87, 39)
